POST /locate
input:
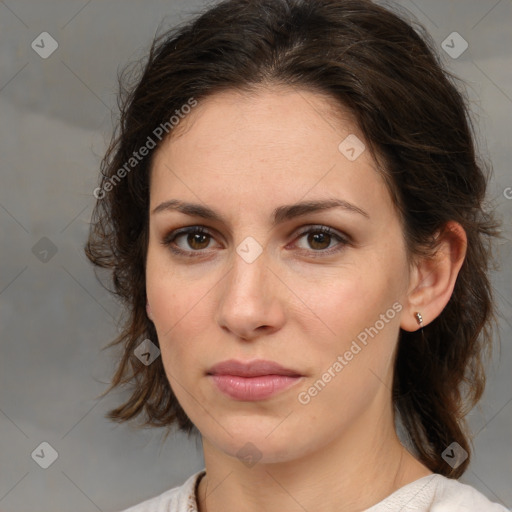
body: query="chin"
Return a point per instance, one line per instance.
(263, 443)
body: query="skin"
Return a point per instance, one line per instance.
(243, 155)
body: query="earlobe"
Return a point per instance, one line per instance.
(148, 311)
(433, 278)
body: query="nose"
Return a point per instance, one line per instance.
(251, 303)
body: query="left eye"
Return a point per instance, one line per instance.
(320, 238)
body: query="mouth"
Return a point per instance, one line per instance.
(254, 380)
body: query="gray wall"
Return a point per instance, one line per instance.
(55, 317)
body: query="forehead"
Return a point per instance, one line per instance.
(279, 141)
(266, 117)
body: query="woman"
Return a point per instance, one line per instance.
(292, 212)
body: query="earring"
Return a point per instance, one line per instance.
(419, 319)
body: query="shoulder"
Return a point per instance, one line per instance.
(453, 495)
(436, 493)
(177, 499)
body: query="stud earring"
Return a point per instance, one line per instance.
(419, 319)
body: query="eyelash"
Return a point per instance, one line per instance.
(172, 236)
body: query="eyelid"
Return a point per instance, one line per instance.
(324, 229)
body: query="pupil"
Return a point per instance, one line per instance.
(319, 238)
(195, 238)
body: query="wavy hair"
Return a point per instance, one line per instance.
(416, 121)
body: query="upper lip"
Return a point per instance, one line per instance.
(251, 368)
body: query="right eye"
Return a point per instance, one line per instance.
(188, 241)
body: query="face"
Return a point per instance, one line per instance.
(247, 277)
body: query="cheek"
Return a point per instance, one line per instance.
(356, 318)
(339, 305)
(353, 361)
(168, 294)
(178, 309)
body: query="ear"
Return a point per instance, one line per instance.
(148, 311)
(433, 278)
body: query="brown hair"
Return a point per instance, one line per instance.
(416, 122)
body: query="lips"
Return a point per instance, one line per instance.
(253, 380)
(251, 369)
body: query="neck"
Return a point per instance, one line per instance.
(351, 473)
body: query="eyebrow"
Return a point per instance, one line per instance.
(279, 215)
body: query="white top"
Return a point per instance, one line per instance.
(434, 493)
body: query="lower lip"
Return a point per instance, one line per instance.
(253, 388)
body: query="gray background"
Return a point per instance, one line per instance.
(55, 317)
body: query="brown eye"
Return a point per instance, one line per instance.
(188, 241)
(198, 241)
(319, 241)
(322, 240)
